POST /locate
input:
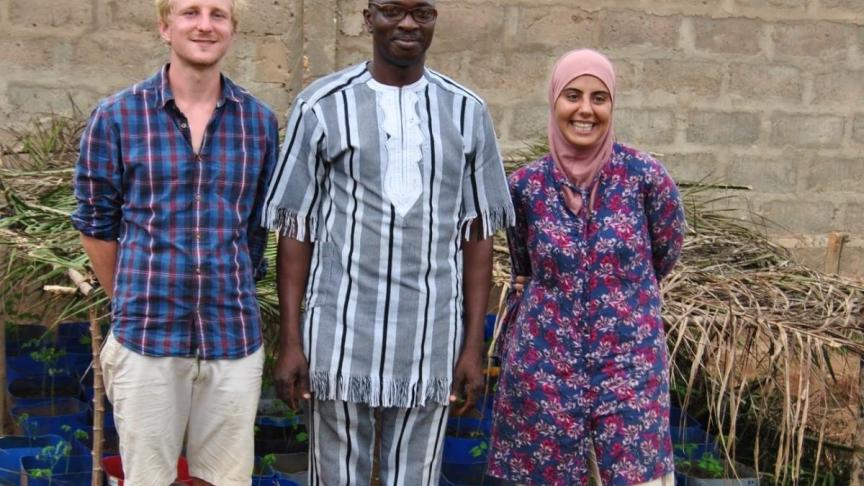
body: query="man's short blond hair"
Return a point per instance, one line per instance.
(163, 9)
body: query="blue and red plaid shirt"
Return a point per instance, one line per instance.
(187, 224)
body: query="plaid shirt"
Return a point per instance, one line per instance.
(190, 242)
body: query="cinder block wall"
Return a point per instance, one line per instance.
(761, 93)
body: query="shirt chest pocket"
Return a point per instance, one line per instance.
(233, 176)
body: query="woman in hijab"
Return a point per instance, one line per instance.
(584, 360)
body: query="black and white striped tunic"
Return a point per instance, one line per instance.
(385, 181)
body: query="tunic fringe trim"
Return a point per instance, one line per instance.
(290, 223)
(492, 221)
(395, 392)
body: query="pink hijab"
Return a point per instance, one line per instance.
(579, 165)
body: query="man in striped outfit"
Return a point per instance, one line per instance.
(388, 190)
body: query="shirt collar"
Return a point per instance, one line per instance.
(229, 91)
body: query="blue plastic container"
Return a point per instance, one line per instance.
(463, 425)
(464, 458)
(74, 337)
(685, 435)
(51, 417)
(69, 471)
(40, 388)
(13, 448)
(489, 327)
(19, 335)
(677, 418)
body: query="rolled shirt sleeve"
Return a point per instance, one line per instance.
(97, 179)
(258, 233)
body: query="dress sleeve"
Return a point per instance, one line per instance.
(98, 179)
(294, 196)
(257, 234)
(665, 215)
(484, 186)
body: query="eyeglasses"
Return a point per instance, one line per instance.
(395, 13)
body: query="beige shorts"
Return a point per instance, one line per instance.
(160, 401)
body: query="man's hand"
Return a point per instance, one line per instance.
(291, 376)
(468, 380)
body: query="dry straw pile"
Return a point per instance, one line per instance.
(752, 335)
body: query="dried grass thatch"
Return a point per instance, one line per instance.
(752, 334)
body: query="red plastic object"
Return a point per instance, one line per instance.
(113, 467)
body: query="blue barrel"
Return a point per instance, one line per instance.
(68, 471)
(51, 417)
(13, 448)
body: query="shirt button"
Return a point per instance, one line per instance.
(197, 269)
(197, 196)
(198, 236)
(183, 125)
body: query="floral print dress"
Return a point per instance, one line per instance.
(584, 358)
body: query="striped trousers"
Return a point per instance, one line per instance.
(342, 443)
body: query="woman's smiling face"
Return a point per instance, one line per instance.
(583, 111)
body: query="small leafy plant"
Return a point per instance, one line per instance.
(479, 450)
(707, 466)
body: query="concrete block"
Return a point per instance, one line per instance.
(806, 130)
(852, 219)
(694, 167)
(784, 4)
(46, 13)
(350, 17)
(727, 36)
(275, 17)
(797, 214)
(628, 75)
(630, 28)
(351, 50)
(683, 77)
(528, 122)
(127, 15)
(858, 129)
(488, 72)
(277, 96)
(832, 175)
(723, 128)
(274, 59)
(97, 54)
(854, 6)
(841, 87)
(826, 40)
(765, 174)
(645, 129)
(464, 25)
(556, 26)
(28, 52)
(27, 100)
(759, 83)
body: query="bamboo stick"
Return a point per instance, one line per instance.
(857, 473)
(3, 368)
(83, 286)
(98, 401)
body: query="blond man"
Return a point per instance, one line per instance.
(170, 186)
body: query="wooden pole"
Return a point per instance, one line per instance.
(98, 398)
(833, 252)
(84, 287)
(3, 368)
(857, 472)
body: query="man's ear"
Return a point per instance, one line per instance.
(367, 20)
(164, 32)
